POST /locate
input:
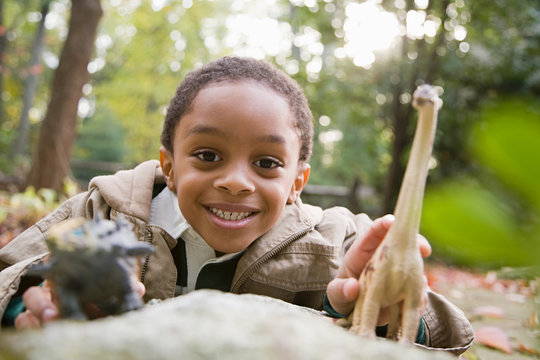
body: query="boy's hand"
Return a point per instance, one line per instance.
(41, 309)
(343, 291)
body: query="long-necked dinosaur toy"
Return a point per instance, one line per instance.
(394, 277)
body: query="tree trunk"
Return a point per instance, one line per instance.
(401, 122)
(50, 164)
(434, 63)
(403, 114)
(395, 171)
(355, 202)
(2, 50)
(21, 143)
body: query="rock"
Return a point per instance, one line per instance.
(205, 324)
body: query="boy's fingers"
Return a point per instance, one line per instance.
(138, 285)
(342, 294)
(425, 247)
(376, 232)
(26, 320)
(362, 249)
(39, 308)
(141, 289)
(39, 303)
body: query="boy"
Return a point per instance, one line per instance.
(222, 208)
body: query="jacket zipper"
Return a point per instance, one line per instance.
(148, 239)
(265, 258)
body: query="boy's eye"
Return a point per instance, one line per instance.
(268, 163)
(207, 155)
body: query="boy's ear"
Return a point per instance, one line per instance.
(299, 183)
(166, 161)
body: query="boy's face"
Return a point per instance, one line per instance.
(235, 163)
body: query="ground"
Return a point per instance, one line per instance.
(503, 312)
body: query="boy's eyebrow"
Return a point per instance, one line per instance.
(201, 129)
(271, 139)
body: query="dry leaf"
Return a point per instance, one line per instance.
(526, 350)
(533, 321)
(490, 311)
(493, 337)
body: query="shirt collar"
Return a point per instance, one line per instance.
(165, 213)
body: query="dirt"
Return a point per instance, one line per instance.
(509, 306)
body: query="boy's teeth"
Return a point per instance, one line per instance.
(228, 215)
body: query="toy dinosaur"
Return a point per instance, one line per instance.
(93, 262)
(394, 277)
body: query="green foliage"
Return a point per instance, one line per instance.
(508, 145)
(29, 206)
(20, 21)
(6, 136)
(147, 61)
(101, 138)
(493, 220)
(147, 47)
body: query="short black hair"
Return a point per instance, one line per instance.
(236, 69)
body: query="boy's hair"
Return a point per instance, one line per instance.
(237, 69)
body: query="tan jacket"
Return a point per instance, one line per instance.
(294, 261)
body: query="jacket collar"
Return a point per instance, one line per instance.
(130, 191)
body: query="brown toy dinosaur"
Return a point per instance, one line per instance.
(394, 277)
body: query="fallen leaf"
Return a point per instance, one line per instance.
(490, 311)
(431, 279)
(526, 350)
(493, 337)
(519, 298)
(533, 321)
(490, 278)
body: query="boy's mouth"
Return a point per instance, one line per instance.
(230, 215)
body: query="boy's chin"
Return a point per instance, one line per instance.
(230, 247)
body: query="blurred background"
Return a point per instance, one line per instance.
(84, 86)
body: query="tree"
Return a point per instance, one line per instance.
(34, 69)
(50, 163)
(151, 51)
(425, 68)
(2, 47)
(9, 56)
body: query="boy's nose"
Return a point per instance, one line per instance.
(236, 180)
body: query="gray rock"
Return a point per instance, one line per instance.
(205, 325)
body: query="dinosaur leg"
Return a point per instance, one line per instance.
(369, 312)
(131, 301)
(411, 315)
(394, 322)
(353, 320)
(344, 322)
(69, 305)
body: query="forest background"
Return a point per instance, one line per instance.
(358, 62)
(84, 86)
